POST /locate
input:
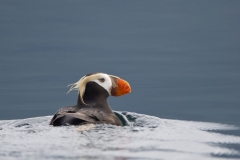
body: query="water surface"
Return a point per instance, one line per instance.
(146, 137)
(180, 57)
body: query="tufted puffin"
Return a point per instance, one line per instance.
(92, 105)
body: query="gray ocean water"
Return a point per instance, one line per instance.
(182, 59)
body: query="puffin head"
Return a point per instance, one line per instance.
(114, 85)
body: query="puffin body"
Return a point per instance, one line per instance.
(92, 106)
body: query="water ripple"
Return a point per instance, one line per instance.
(142, 137)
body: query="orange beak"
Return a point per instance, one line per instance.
(122, 88)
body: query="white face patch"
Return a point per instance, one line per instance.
(100, 78)
(105, 81)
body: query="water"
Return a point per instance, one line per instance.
(146, 137)
(180, 57)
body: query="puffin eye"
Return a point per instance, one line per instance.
(102, 80)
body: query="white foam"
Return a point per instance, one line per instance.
(148, 138)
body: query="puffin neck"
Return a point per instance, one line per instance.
(94, 94)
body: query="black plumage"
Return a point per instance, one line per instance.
(95, 110)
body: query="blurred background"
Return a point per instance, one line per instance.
(182, 58)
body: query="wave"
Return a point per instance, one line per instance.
(142, 137)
